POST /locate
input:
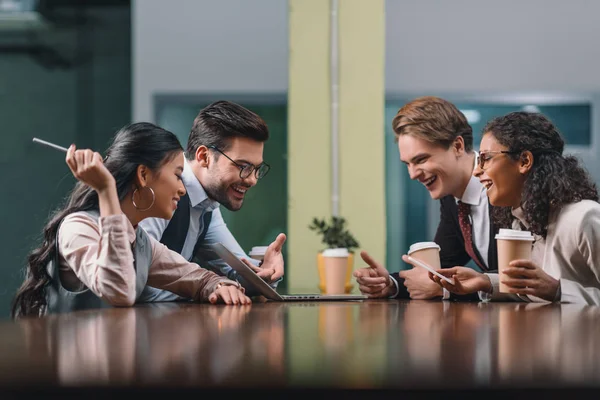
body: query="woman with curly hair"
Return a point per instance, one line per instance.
(536, 188)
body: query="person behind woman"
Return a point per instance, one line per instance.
(538, 189)
(94, 255)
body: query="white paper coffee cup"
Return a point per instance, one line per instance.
(428, 252)
(336, 267)
(258, 252)
(512, 245)
(512, 234)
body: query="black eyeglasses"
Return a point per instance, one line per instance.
(488, 155)
(246, 169)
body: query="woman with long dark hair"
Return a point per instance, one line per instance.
(94, 255)
(535, 187)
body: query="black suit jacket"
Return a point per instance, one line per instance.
(452, 246)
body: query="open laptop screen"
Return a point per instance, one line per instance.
(246, 272)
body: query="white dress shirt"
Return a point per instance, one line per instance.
(476, 196)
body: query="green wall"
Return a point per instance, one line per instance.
(84, 105)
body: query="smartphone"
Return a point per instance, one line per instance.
(421, 264)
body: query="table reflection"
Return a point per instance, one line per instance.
(161, 344)
(365, 344)
(548, 343)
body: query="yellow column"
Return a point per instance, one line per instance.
(361, 130)
(309, 139)
(362, 127)
(361, 151)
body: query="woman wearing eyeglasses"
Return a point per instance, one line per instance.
(536, 188)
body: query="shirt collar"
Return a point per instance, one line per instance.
(195, 190)
(472, 194)
(520, 215)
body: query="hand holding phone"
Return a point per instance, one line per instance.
(421, 264)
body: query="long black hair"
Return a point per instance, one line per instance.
(554, 180)
(135, 144)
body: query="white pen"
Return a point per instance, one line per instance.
(57, 147)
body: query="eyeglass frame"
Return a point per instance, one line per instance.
(254, 168)
(481, 162)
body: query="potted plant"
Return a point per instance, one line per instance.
(334, 235)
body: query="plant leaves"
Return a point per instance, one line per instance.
(334, 233)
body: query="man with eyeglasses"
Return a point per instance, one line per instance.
(223, 160)
(436, 145)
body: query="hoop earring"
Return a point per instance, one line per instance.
(133, 199)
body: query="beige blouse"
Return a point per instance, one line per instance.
(98, 255)
(570, 253)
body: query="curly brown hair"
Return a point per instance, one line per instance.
(554, 180)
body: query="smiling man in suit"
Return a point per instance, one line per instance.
(436, 145)
(223, 160)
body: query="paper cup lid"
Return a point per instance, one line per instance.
(422, 246)
(511, 234)
(336, 253)
(259, 250)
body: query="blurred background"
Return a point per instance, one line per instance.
(326, 76)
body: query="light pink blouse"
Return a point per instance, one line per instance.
(99, 255)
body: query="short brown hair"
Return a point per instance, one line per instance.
(222, 120)
(433, 119)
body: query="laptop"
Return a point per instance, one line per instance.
(265, 289)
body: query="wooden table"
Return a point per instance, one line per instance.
(409, 345)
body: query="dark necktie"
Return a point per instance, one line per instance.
(464, 211)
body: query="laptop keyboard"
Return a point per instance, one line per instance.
(302, 297)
